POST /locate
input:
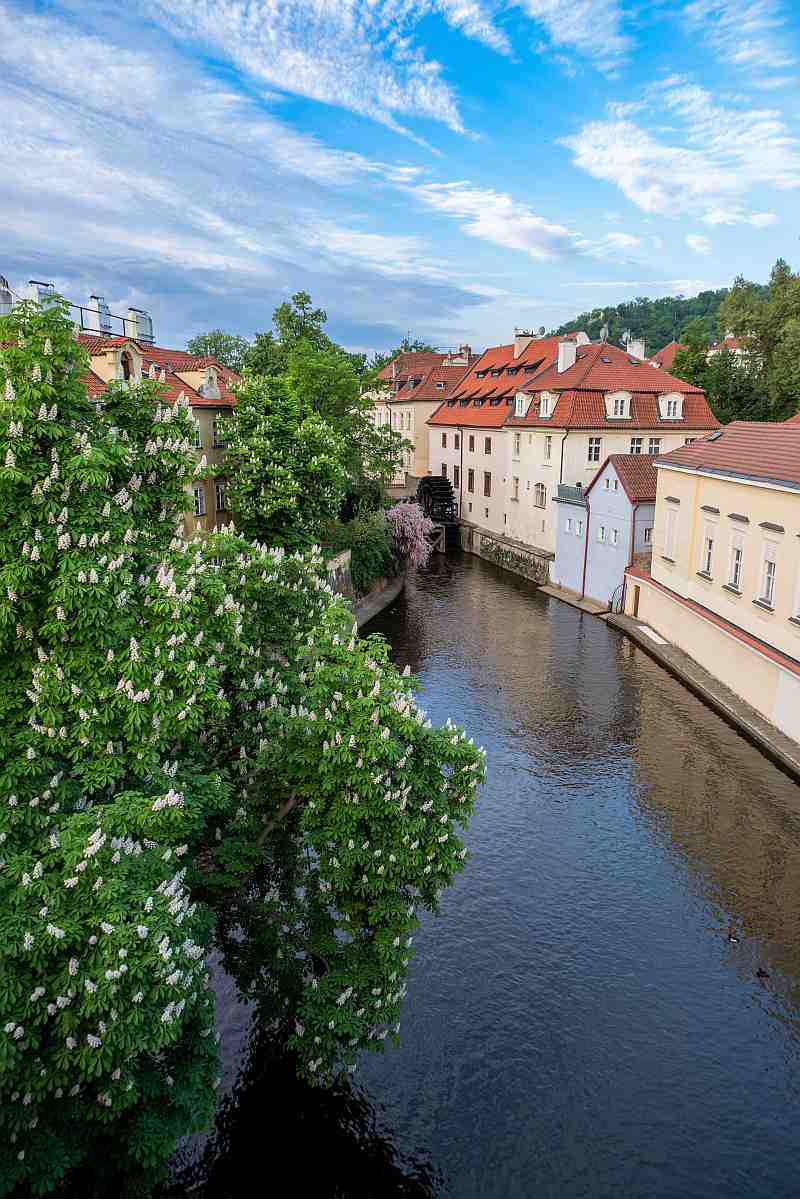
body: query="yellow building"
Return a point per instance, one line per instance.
(205, 383)
(724, 584)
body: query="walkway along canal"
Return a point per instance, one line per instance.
(578, 1022)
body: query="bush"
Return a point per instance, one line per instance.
(370, 544)
(363, 495)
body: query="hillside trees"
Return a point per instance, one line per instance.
(196, 750)
(768, 321)
(227, 348)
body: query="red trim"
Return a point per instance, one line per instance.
(754, 643)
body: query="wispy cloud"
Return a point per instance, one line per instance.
(715, 156)
(591, 29)
(500, 219)
(698, 243)
(753, 35)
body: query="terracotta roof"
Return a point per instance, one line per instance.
(95, 386)
(484, 396)
(602, 367)
(730, 343)
(587, 410)
(171, 362)
(666, 355)
(410, 363)
(745, 449)
(448, 376)
(637, 474)
(793, 420)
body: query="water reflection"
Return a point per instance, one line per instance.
(277, 1135)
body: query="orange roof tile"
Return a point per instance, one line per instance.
(768, 450)
(666, 355)
(168, 360)
(437, 384)
(637, 474)
(410, 363)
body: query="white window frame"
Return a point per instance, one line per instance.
(548, 447)
(767, 577)
(736, 564)
(601, 532)
(540, 491)
(515, 488)
(199, 500)
(707, 547)
(640, 441)
(517, 444)
(593, 450)
(568, 526)
(578, 528)
(519, 408)
(670, 532)
(219, 489)
(654, 445)
(615, 536)
(648, 535)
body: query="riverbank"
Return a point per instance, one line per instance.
(384, 592)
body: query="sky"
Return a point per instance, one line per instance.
(451, 169)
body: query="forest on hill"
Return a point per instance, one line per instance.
(657, 321)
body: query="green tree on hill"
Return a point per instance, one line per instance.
(768, 321)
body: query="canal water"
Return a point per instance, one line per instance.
(578, 1022)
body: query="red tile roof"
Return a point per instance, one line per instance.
(484, 396)
(666, 355)
(448, 376)
(171, 362)
(411, 364)
(602, 367)
(745, 449)
(637, 474)
(587, 410)
(730, 343)
(793, 420)
(95, 386)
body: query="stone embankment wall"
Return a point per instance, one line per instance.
(520, 559)
(379, 596)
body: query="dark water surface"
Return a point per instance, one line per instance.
(577, 1022)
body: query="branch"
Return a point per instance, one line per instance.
(282, 813)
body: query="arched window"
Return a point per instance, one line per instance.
(127, 366)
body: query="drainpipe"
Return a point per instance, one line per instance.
(585, 552)
(630, 553)
(561, 465)
(461, 472)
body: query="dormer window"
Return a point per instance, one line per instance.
(546, 405)
(512, 370)
(671, 406)
(480, 374)
(496, 372)
(618, 405)
(519, 409)
(440, 386)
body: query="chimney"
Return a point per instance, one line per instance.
(99, 317)
(465, 352)
(635, 347)
(41, 292)
(522, 339)
(6, 299)
(139, 325)
(567, 354)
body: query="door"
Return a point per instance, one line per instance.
(636, 591)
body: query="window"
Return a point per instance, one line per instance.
(457, 440)
(487, 445)
(544, 406)
(654, 445)
(444, 470)
(487, 482)
(540, 496)
(486, 513)
(471, 443)
(520, 406)
(127, 366)
(672, 408)
(618, 408)
(601, 533)
(636, 445)
(440, 386)
(548, 447)
(219, 496)
(768, 570)
(198, 440)
(444, 441)
(648, 534)
(579, 528)
(594, 450)
(670, 530)
(470, 480)
(607, 484)
(569, 524)
(456, 476)
(616, 484)
(614, 536)
(199, 501)
(735, 572)
(469, 507)
(216, 433)
(707, 558)
(515, 488)
(689, 440)
(517, 443)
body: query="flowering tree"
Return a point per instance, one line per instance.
(195, 749)
(410, 528)
(285, 466)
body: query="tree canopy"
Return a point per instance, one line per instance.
(657, 321)
(227, 348)
(197, 751)
(768, 321)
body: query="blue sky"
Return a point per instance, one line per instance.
(453, 168)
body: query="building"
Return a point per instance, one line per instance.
(724, 583)
(603, 530)
(414, 385)
(665, 357)
(206, 384)
(734, 345)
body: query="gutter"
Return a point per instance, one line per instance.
(461, 473)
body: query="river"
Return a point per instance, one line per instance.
(578, 1022)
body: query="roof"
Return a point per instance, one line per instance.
(745, 449)
(485, 393)
(437, 384)
(637, 474)
(729, 343)
(793, 420)
(410, 363)
(603, 367)
(666, 355)
(587, 410)
(172, 362)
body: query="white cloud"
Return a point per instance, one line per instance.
(589, 28)
(714, 158)
(671, 286)
(698, 243)
(497, 218)
(748, 34)
(760, 220)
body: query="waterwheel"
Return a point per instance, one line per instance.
(436, 498)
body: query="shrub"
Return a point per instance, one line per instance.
(370, 544)
(409, 527)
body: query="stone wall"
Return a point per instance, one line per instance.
(525, 560)
(339, 575)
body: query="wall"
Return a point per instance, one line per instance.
(610, 514)
(411, 419)
(570, 520)
(489, 512)
(758, 504)
(204, 418)
(519, 559)
(770, 689)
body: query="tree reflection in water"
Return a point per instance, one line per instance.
(329, 1138)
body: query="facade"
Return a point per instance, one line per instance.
(603, 530)
(724, 584)
(413, 386)
(207, 386)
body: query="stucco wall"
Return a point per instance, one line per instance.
(771, 690)
(567, 569)
(489, 512)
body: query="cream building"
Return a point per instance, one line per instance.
(206, 384)
(724, 584)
